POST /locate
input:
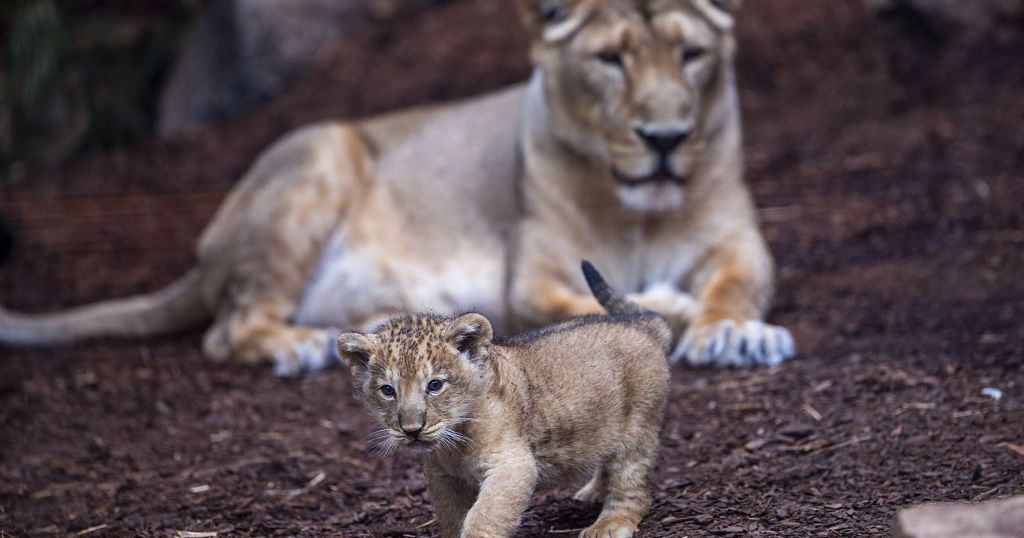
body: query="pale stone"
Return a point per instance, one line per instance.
(1002, 518)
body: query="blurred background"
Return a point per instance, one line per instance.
(86, 75)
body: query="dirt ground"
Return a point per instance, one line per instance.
(889, 168)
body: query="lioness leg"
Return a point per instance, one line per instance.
(266, 240)
(734, 287)
(260, 334)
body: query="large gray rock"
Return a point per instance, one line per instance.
(993, 519)
(244, 51)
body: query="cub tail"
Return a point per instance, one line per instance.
(611, 300)
(176, 307)
(617, 305)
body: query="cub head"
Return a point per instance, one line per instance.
(420, 375)
(633, 84)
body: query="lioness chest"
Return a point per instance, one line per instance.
(430, 230)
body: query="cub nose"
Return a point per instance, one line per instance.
(412, 431)
(662, 140)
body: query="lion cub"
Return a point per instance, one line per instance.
(502, 417)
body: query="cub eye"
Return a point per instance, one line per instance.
(693, 53)
(434, 385)
(610, 57)
(387, 390)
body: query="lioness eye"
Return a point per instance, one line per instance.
(434, 385)
(692, 53)
(387, 390)
(610, 57)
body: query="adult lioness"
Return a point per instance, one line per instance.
(623, 148)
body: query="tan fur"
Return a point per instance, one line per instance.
(582, 397)
(341, 225)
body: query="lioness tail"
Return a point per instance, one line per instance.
(178, 306)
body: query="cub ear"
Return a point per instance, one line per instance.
(355, 350)
(553, 20)
(471, 335)
(721, 13)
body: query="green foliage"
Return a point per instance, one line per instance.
(77, 76)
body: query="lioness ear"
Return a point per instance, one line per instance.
(553, 20)
(471, 335)
(721, 13)
(355, 350)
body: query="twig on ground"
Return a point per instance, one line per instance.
(1014, 447)
(90, 530)
(984, 494)
(850, 442)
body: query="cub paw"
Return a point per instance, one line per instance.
(313, 350)
(592, 492)
(611, 527)
(728, 343)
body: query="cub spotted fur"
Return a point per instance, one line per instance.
(624, 148)
(502, 417)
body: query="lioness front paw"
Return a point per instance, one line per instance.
(668, 301)
(609, 527)
(749, 343)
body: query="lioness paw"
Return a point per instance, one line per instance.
(611, 527)
(749, 343)
(315, 350)
(668, 301)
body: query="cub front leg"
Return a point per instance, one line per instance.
(504, 494)
(453, 497)
(734, 288)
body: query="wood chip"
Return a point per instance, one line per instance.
(316, 479)
(812, 412)
(83, 532)
(194, 534)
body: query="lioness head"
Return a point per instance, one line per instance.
(420, 375)
(634, 84)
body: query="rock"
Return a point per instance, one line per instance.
(244, 51)
(1002, 518)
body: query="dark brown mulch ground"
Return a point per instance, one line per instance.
(890, 173)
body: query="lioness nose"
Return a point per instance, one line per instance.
(662, 140)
